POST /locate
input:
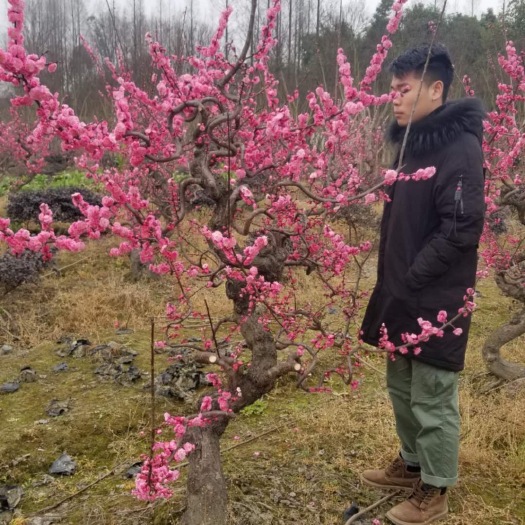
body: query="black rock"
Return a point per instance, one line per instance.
(85, 342)
(133, 374)
(180, 380)
(61, 367)
(75, 347)
(10, 496)
(27, 375)
(349, 512)
(9, 388)
(133, 470)
(126, 360)
(57, 408)
(121, 373)
(64, 466)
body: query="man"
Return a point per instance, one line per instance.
(427, 260)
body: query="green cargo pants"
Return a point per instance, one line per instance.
(425, 402)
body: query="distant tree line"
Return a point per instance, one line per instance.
(309, 34)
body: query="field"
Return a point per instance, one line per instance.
(292, 458)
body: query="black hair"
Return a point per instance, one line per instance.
(439, 65)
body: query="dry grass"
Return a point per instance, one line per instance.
(305, 472)
(76, 301)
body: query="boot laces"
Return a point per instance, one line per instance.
(395, 466)
(423, 493)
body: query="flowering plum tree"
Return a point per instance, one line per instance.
(276, 181)
(505, 196)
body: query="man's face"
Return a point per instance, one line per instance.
(406, 90)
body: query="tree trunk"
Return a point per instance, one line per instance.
(207, 495)
(138, 270)
(492, 349)
(318, 21)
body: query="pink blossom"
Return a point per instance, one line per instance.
(442, 316)
(390, 176)
(206, 404)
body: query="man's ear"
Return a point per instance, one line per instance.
(437, 90)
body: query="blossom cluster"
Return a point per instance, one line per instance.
(503, 147)
(411, 342)
(390, 176)
(379, 57)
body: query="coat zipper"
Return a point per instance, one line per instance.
(458, 196)
(458, 201)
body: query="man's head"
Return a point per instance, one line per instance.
(407, 70)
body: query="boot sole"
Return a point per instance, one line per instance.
(387, 487)
(397, 521)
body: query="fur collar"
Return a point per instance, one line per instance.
(443, 126)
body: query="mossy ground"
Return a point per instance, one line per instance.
(304, 471)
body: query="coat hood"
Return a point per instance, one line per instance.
(442, 127)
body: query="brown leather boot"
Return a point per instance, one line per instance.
(425, 505)
(395, 476)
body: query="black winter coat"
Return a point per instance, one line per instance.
(430, 233)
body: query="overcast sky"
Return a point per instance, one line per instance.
(209, 9)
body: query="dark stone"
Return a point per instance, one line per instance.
(126, 360)
(122, 374)
(73, 347)
(64, 466)
(9, 388)
(10, 496)
(57, 408)
(134, 470)
(61, 367)
(27, 375)
(180, 380)
(133, 373)
(349, 512)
